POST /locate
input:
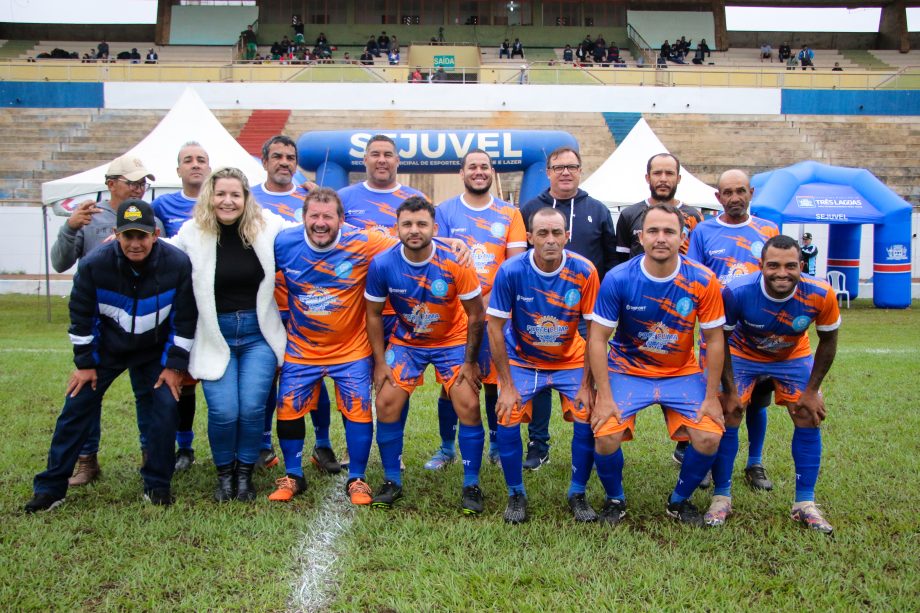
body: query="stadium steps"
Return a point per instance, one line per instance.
(865, 59)
(13, 49)
(261, 126)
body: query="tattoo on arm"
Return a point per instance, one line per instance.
(473, 340)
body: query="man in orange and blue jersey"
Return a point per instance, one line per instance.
(653, 303)
(768, 314)
(730, 245)
(494, 231)
(439, 321)
(280, 195)
(545, 293)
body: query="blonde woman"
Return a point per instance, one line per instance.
(239, 339)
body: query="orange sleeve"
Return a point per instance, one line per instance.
(711, 311)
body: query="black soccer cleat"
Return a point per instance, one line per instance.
(613, 512)
(471, 500)
(42, 502)
(686, 513)
(536, 457)
(387, 495)
(581, 509)
(756, 477)
(159, 496)
(324, 459)
(516, 511)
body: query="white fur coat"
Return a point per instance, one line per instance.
(210, 353)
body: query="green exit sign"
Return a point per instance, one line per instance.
(447, 62)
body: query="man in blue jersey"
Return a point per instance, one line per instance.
(730, 245)
(546, 293)
(439, 321)
(280, 195)
(494, 231)
(173, 210)
(768, 314)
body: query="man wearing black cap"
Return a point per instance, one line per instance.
(131, 308)
(809, 254)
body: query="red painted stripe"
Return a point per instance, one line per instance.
(845, 263)
(891, 268)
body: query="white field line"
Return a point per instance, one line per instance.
(316, 553)
(32, 350)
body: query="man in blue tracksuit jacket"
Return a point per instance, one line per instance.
(131, 308)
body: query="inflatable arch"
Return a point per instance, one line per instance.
(845, 198)
(333, 154)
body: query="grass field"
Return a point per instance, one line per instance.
(105, 549)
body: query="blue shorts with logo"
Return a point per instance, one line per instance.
(298, 393)
(789, 377)
(531, 381)
(409, 363)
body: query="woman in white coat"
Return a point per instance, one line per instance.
(239, 339)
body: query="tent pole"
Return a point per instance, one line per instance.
(47, 263)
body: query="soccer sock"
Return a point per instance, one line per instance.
(725, 462)
(358, 437)
(186, 407)
(390, 444)
(471, 439)
(292, 451)
(184, 439)
(512, 453)
(269, 415)
(692, 471)
(491, 418)
(806, 454)
(404, 416)
(447, 425)
(610, 472)
(756, 420)
(582, 457)
(321, 418)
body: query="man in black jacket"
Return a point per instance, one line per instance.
(131, 308)
(591, 236)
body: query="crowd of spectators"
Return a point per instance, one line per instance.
(594, 51)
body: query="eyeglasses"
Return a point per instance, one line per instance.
(133, 184)
(572, 168)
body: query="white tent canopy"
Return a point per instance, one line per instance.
(188, 120)
(620, 181)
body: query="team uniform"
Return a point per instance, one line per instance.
(173, 210)
(629, 225)
(374, 209)
(545, 350)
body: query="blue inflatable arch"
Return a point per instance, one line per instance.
(845, 198)
(333, 154)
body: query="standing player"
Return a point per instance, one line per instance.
(173, 210)
(809, 254)
(767, 318)
(494, 232)
(653, 302)
(545, 293)
(282, 196)
(730, 246)
(440, 321)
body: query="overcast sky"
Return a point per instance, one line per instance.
(738, 18)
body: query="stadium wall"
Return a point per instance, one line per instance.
(850, 102)
(52, 95)
(210, 25)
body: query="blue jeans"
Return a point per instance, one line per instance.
(160, 416)
(236, 401)
(91, 445)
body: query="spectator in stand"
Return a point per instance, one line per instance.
(438, 77)
(394, 44)
(152, 57)
(581, 53)
(807, 57)
(683, 47)
(297, 25)
(248, 40)
(600, 50)
(588, 44)
(393, 56)
(504, 50)
(837, 67)
(135, 56)
(517, 49)
(372, 47)
(784, 52)
(347, 58)
(88, 58)
(416, 76)
(705, 48)
(568, 54)
(665, 51)
(766, 52)
(613, 53)
(321, 40)
(102, 51)
(367, 58)
(383, 42)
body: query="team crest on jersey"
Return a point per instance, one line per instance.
(439, 288)
(317, 302)
(547, 330)
(774, 343)
(657, 338)
(757, 249)
(738, 269)
(482, 259)
(390, 357)
(800, 323)
(572, 297)
(498, 229)
(421, 318)
(381, 229)
(343, 269)
(684, 306)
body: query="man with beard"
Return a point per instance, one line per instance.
(662, 173)
(494, 232)
(430, 291)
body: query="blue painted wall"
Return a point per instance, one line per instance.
(850, 102)
(52, 95)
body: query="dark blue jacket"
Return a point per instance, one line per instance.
(123, 315)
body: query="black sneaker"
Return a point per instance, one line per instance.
(42, 502)
(471, 500)
(685, 513)
(184, 459)
(756, 477)
(706, 482)
(614, 510)
(536, 457)
(581, 510)
(159, 496)
(267, 458)
(388, 494)
(516, 511)
(324, 459)
(679, 450)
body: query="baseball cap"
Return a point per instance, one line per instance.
(807, 235)
(129, 167)
(135, 214)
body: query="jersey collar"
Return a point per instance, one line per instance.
(287, 193)
(543, 273)
(480, 209)
(763, 290)
(651, 277)
(746, 222)
(402, 253)
(381, 191)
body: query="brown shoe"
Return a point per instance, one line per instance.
(86, 471)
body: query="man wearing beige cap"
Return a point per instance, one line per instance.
(90, 225)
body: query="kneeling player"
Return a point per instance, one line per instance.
(427, 287)
(653, 302)
(768, 314)
(544, 292)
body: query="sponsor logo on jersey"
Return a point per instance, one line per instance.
(343, 269)
(317, 302)
(481, 257)
(390, 357)
(684, 306)
(525, 298)
(774, 343)
(439, 288)
(753, 325)
(498, 229)
(657, 338)
(572, 297)
(547, 330)
(292, 271)
(421, 319)
(355, 212)
(716, 251)
(800, 323)
(638, 307)
(396, 290)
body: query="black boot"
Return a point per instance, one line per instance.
(244, 488)
(225, 482)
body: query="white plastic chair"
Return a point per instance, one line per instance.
(836, 279)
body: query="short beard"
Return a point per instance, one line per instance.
(668, 198)
(478, 191)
